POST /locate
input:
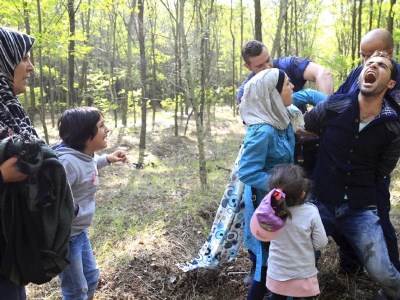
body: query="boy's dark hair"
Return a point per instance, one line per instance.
(292, 180)
(251, 49)
(78, 125)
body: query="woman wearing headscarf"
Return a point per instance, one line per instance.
(269, 141)
(15, 71)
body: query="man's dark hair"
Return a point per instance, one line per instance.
(251, 49)
(77, 125)
(393, 72)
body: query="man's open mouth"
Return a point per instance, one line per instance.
(370, 77)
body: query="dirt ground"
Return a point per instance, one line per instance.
(148, 220)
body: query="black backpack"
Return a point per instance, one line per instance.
(35, 214)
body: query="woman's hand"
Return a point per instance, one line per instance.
(9, 171)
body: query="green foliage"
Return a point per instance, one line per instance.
(134, 100)
(317, 29)
(168, 104)
(225, 93)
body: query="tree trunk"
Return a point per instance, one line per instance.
(52, 95)
(380, 2)
(354, 45)
(296, 30)
(71, 99)
(233, 99)
(128, 78)
(390, 17)
(141, 36)
(282, 16)
(371, 14)
(177, 62)
(32, 109)
(86, 23)
(257, 21)
(42, 100)
(191, 94)
(154, 95)
(360, 6)
(112, 87)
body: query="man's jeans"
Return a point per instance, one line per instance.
(362, 229)
(79, 280)
(348, 259)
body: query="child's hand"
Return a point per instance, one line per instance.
(118, 155)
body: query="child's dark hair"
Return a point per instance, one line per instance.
(292, 180)
(77, 125)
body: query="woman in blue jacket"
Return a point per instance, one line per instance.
(269, 141)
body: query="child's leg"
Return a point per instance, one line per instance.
(274, 296)
(281, 297)
(73, 281)
(258, 289)
(89, 266)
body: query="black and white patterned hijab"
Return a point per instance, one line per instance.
(13, 47)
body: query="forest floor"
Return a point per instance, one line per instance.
(148, 220)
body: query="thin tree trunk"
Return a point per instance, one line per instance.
(85, 61)
(42, 100)
(142, 140)
(390, 17)
(360, 6)
(32, 83)
(282, 16)
(371, 14)
(52, 97)
(257, 21)
(71, 56)
(113, 91)
(153, 101)
(190, 87)
(354, 44)
(233, 98)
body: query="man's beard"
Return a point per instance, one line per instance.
(377, 91)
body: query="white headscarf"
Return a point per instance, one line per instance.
(261, 102)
